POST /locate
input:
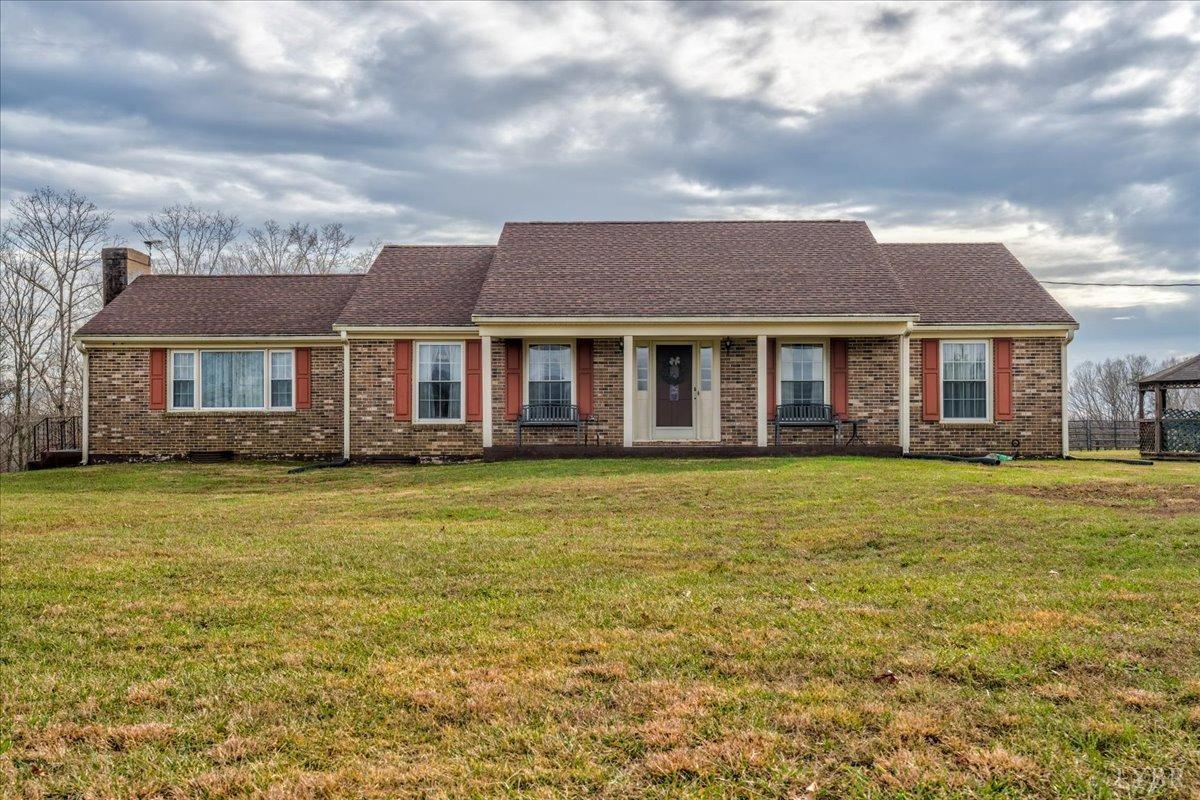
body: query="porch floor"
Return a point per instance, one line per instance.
(505, 453)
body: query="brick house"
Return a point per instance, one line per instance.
(587, 338)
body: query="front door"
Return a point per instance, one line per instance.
(673, 389)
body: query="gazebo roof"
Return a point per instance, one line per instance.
(1184, 372)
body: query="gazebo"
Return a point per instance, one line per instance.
(1173, 432)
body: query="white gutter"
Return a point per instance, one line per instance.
(583, 318)
(239, 341)
(345, 395)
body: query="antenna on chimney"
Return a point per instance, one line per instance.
(150, 246)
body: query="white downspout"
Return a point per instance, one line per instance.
(87, 400)
(345, 395)
(905, 391)
(1066, 428)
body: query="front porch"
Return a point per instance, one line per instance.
(704, 391)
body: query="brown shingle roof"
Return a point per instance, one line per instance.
(1187, 371)
(420, 285)
(225, 305)
(972, 283)
(689, 269)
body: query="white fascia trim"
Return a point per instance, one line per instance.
(920, 331)
(591, 319)
(204, 341)
(376, 331)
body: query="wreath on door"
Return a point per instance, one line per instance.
(672, 371)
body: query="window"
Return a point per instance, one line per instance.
(183, 380)
(802, 373)
(281, 379)
(222, 380)
(706, 368)
(550, 374)
(643, 369)
(965, 381)
(439, 382)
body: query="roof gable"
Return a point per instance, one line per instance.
(650, 269)
(224, 305)
(972, 283)
(419, 285)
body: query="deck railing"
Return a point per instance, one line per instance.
(56, 433)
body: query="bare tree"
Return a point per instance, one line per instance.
(297, 249)
(57, 237)
(192, 240)
(25, 333)
(1107, 390)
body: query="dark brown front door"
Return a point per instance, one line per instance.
(673, 408)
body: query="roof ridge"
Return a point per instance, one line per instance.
(256, 275)
(938, 244)
(439, 245)
(680, 221)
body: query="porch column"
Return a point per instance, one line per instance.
(762, 391)
(627, 391)
(485, 368)
(1160, 405)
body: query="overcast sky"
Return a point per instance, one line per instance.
(1070, 132)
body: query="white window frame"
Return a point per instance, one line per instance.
(987, 381)
(196, 408)
(462, 383)
(528, 374)
(780, 344)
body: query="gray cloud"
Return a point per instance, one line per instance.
(1068, 131)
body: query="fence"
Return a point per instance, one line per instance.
(1100, 434)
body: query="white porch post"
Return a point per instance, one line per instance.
(905, 390)
(486, 368)
(1064, 382)
(762, 391)
(627, 390)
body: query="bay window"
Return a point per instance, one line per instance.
(439, 382)
(550, 374)
(965, 381)
(232, 380)
(802, 373)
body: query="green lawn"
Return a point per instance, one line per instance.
(630, 628)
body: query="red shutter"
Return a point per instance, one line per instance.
(158, 379)
(474, 381)
(512, 379)
(585, 385)
(1002, 367)
(931, 410)
(303, 378)
(771, 402)
(839, 377)
(402, 371)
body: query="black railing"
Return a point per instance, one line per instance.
(56, 433)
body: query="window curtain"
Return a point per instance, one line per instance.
(231, 379)
(439, 392)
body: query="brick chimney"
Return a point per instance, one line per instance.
(120, 265)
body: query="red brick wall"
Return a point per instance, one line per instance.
(1037, 408)
(608, 408)
(121, 424)
(374, 430)
(739, 392)
(873, 377)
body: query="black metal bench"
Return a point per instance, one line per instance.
(813, 415)
(552, 415)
